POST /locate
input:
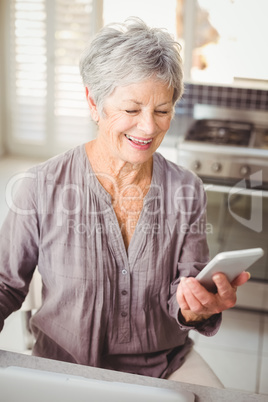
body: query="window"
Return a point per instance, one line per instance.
(29, 70)
(47, 107)
(47, 101)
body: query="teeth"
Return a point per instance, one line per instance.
(136, 140)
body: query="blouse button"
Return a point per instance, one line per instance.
(124, 271)
(124, 292)
(123, 314)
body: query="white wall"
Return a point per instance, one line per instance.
(2, 78)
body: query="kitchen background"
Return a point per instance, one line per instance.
(222, 96)
(43, 112)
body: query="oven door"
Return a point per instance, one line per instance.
(237, 218)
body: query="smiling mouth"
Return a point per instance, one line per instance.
(137, 141)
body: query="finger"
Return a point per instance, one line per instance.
(205, 297)
(226, 294)
(241, 279)
(181, 299)
(222, 284)
(193, 303)
(183, 303)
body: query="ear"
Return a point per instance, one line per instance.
(92, 106)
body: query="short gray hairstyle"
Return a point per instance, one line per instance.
(127, 53)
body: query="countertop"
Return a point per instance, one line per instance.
(203, 394)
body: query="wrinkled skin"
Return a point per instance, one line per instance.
(197, 304)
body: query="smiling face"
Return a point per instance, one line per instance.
(134, 121)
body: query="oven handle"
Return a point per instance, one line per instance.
(236, 190)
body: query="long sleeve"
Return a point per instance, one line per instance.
(18, 247)
(194, 256)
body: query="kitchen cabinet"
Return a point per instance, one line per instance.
(224, 42)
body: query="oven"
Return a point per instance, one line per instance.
(228, 150)
(237, 220)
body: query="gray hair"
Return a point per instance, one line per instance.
(127, 53)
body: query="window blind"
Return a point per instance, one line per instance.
(28, 69)
(49, 112)
(72, 32)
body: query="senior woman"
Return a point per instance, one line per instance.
(114, 228)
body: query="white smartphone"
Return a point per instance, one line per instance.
(231, 263)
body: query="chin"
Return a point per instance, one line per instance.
(139, 159)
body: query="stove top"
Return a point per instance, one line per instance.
(226, 148)
(220, 132)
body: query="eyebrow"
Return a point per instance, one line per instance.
(140, 103)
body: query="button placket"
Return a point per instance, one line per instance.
(123, 284)
(124, 306)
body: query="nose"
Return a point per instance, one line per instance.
(147, 123)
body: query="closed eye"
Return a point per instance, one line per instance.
(162, 111)
(131, 111)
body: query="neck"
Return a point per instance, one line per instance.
(121, 172)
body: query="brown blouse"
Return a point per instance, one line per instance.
(104, 306)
